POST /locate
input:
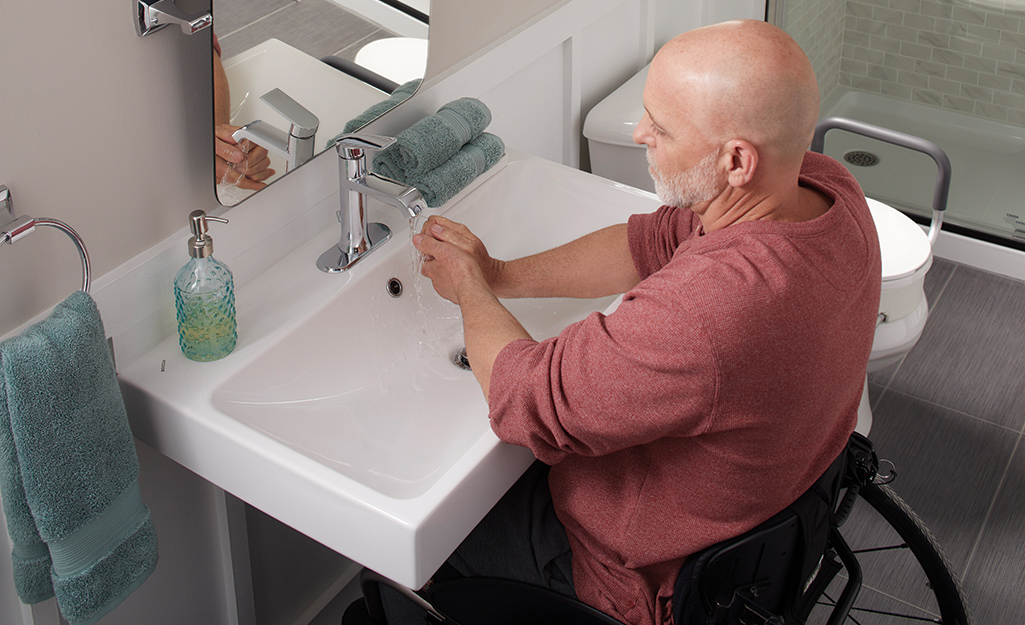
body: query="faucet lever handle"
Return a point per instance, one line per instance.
(304, 123)
(354, 146)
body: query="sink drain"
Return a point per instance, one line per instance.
(460, 360)
(861, 158)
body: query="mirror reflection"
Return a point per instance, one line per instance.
(292, 75)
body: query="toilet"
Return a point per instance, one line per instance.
(905, 246)
(399, 59)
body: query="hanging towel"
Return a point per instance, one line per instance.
(433, 140)
(476, 157)
(65, 440)
(397, 97)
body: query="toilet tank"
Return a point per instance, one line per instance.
(609, 129)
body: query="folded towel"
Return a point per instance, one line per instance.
(400, 95)
(433, 140)
(64, 436)
(476, 157)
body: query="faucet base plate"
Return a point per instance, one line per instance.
(335, 260)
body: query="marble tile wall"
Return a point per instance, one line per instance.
(961, 56)
(818, 26)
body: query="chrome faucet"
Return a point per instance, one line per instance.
(297, 144)
(356, 187)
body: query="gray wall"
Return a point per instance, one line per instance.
(99, 128)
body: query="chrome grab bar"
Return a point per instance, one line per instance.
(17, 228)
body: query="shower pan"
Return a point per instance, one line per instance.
(950, 71)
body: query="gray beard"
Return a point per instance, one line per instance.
(694, 185)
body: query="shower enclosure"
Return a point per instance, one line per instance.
(951, 71)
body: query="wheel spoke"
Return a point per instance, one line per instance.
(899, 615)
(874, 549)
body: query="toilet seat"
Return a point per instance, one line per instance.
(399, 59)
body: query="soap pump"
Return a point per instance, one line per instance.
(204, 296)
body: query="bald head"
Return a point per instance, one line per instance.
(743, 80)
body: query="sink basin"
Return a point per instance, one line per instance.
(341, 411)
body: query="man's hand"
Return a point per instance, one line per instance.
(243, 164)
(455, 259)
(463, 272)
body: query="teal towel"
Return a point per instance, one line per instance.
(69, 468)
(476, 157)
(433, 140)
(397, 97)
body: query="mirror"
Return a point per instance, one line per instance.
(290, 65)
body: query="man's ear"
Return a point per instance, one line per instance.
(741, 162)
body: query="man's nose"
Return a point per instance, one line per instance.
(642, 132)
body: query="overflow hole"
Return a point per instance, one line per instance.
(394, 287)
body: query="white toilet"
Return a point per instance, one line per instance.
(905, 247)
(399, 59)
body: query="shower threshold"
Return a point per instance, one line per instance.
(987, 191)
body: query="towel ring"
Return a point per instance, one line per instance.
(20, 227)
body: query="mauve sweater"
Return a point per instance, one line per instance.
(721, 388)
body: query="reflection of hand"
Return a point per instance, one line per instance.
(454, 258)
(240, 163)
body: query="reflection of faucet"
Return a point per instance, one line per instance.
(356, 186)
(297, 145)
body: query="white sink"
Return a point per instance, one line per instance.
(341, 412)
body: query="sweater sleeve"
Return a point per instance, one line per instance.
(645, 372)
(654, 237)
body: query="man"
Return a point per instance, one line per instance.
(729, 378)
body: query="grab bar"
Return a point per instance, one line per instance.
(17, 228)
(941, 191)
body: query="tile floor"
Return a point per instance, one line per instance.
(951, 416)
(317, 27)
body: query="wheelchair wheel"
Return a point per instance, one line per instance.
(907, 577)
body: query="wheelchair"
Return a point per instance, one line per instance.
(795, 568)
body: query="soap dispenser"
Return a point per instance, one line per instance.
(204, 296)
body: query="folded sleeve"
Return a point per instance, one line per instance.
(607, 383)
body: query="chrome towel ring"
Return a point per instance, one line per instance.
(17, 228)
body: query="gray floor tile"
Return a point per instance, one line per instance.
(949, 466)
(935, 282)
(875, 393)
(350, 50)
(883, 376)
(971, 355)
(995, 578)
(231, 15)
(937, 278)
(317, 27)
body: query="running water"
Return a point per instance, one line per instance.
(439, 321)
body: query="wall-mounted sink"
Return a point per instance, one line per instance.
(341, 412)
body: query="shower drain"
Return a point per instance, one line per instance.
(861, 158)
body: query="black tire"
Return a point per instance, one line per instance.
(944, 583)
(906, 552)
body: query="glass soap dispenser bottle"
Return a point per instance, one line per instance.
(204, 296)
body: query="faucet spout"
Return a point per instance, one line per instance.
(356, 186)
(402, 196)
